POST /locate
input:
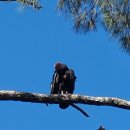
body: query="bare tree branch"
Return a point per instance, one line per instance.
(79, 109)
(56, 99)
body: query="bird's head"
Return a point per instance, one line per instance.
(60, 68)
(69, 75)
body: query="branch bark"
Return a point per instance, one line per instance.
(56, 99)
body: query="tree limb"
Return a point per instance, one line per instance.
(56, 99)
(79, 109)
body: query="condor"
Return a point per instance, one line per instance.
(63, 82)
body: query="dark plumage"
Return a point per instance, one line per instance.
(57, 80)
(63, 82)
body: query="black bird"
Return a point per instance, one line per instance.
(57, 79)
(63, 82)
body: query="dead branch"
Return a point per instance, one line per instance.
(79, 109)
(56, 99)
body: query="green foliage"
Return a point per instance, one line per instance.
(34, 3)
(83, 13)
(114, 15)
(116, 19)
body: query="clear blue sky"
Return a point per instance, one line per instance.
(31, 42)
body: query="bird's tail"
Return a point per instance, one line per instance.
(63, 105)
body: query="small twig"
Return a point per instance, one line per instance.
(47, 104)
(79, 109)
(101, 128)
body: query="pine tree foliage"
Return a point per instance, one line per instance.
(116, 18)
(114, 15)
(34, 3)
(83, 12)
(87, 15)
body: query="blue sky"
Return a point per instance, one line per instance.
(31, 43)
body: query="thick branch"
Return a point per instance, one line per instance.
(56, 99)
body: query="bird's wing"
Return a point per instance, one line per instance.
(54, 84)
